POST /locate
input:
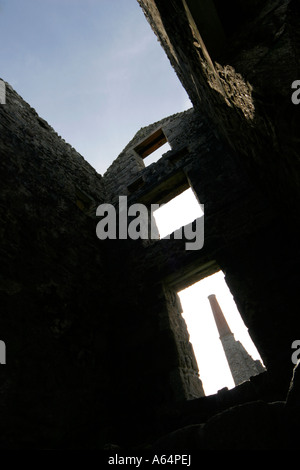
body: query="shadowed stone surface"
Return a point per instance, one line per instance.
(98, 354)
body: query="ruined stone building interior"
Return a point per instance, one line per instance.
(100, 355)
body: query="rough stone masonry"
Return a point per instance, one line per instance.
(98, 353)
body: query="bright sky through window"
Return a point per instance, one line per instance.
(204, 336)
(178, 212)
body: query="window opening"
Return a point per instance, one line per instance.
(213, 366)
(152, 148)
(155, 156)
(178, 212)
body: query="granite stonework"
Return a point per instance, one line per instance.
(98, 354)
(244, 86)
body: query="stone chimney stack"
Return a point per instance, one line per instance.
(241, 364)
(220, 320)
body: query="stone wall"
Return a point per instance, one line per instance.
(97, 349)
(246, 90)
(242, 234)
(239, 230)
(52, 285)
(128, 167)
(85, 337)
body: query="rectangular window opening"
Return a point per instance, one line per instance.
(152, 148)
(207, 340)
(178, 212)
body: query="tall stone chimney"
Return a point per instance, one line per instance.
(241, 364)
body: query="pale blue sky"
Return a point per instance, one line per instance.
(92, 68)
